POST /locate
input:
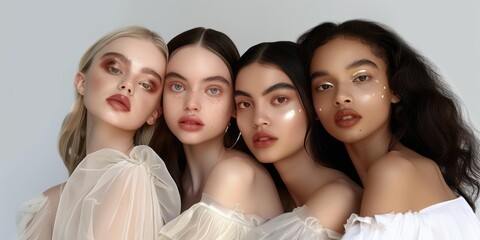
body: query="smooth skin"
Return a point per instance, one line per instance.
(272, 119)
(198, 105)
(353, 101)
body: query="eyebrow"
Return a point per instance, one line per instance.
(268, 90)
(126, 60)
(357, 63)
(361, 62)
(208, 79)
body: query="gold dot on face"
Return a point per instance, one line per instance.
(319, 109)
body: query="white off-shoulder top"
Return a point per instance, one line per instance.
(296, 225)
(208, 220)
(453, 219)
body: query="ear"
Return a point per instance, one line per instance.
(154, 116)
(80, 83)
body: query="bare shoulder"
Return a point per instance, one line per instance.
(390, 183)
(54, 191)
(230, 180)
(334, 202)
(242, 182)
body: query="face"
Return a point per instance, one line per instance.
(124, 83)
(198, 95)
(350, 90)
(270, 114)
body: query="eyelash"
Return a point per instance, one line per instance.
(241, 105)
(174, 85)
(324, 87)
(276, 102)
(360, 76)
(219, 91)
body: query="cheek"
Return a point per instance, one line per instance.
(243, 121)
(291, 117)
(321, 103)
(374, 94)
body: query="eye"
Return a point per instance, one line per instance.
(324, 86)
(280, 100)
(145, 85)
(243, 105)
(114, 70)
(214, 91)
(361, 78)
(176, 87)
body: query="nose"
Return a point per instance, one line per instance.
(342, 100)
(261, 119)
(192, 102)
(342, 97)
(127, 85)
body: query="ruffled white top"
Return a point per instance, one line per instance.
(208, 220)
(114, 196)
(453, 219)
(36, 217)
(296, 225)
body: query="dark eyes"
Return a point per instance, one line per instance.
(361, 78)
(280, 100)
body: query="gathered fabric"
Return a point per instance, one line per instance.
(207, 220)
(35, 219)
(453, 219)
(114, 196)
(296, 225)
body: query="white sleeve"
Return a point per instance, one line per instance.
(114, 196)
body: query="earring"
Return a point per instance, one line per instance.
(238, 138)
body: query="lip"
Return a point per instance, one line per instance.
(347, 118)
(119, 102)
(263, 140)
(190, 123)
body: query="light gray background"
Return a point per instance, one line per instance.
(42, 41)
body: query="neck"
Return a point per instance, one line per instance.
(201, 158)
(366, 152)
(300, 173)
(101, 135)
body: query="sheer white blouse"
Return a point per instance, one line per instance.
(453, 219)
(114, 196)
(208, 220)
(296, 225)
(36, 217)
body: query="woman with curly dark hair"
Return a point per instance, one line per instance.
(402, 127)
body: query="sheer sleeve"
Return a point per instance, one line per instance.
(452, 219)
(207, 220)
(296, 225)
(36, 217)
(114, 196)
(34, 220)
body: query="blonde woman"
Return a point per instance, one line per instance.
(118, 188)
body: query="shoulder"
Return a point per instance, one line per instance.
(233, 170)
(241, 182)
(230, 180)
(334, 202)
(390, 184)
(392, 173)
(54, 192)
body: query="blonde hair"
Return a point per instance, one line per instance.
(71, 143)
